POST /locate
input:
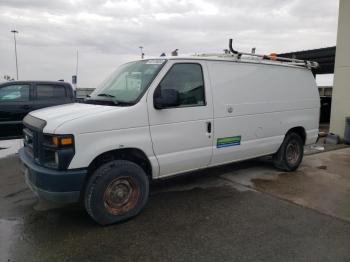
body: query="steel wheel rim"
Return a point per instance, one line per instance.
(293, 153)
(121, 195)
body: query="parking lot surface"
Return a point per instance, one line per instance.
(240, 212)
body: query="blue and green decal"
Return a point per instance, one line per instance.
(228, 141)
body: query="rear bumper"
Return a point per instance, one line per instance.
(53, 185)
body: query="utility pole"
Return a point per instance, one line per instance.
(142, 54)
(14, 37)
(75, 77)
(76, 69)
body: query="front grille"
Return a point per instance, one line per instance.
(33, 137)
(29, 141)
(32, 143)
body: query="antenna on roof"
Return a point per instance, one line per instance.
(230, 47)
(232, 50)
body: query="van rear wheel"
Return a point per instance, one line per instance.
(116, 191)
(290, 154)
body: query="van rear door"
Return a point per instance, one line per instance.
(182, 134)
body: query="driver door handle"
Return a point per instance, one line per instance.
(209, 127)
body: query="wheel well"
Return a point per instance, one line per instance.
(131, 154)
(300, 131)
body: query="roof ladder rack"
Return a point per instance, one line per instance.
(272, 57)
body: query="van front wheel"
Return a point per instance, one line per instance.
(290, 154)
(116, 191)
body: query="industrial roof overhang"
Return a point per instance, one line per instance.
(324, 56)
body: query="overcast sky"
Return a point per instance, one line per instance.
(108, 33)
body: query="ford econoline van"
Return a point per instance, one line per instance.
(156, 118)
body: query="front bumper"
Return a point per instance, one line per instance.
(53, 185)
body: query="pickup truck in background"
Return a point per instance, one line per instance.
(18, 98)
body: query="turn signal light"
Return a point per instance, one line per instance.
(62, 140)
(55, 140)
(65, 141)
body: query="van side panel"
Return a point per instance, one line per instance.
(256, 104)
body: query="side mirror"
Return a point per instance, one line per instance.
(166, 98)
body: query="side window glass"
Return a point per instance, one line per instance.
(187, 79)
(45, 92)
(14, 93)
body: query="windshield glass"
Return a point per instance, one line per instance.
(128, 82)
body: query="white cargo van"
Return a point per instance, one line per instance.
(156, 118)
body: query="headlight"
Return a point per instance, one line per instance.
(57, 151)
(58, 140)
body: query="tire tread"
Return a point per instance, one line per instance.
(279, 160)
(93, 181)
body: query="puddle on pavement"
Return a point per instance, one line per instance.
(7, 237)
(314, 188)
(284, 185)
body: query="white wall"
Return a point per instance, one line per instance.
(341, 87)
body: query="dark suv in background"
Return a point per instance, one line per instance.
(18, 98)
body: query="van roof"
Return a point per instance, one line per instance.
(243, 59)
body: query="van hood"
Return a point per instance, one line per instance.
(58, 115)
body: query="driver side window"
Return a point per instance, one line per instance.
(14, 93)
(187, 80)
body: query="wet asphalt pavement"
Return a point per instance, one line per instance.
(240, 212)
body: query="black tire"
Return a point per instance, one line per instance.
(116, 191)
(290, 154)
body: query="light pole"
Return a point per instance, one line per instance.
(142, 54)
(14, 37)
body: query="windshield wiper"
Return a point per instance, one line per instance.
(116, 101)
(99, 102)
(108, 102)
(122, 103)
(106, 95)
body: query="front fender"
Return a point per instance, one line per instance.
(90, 145)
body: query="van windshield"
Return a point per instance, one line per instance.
(127, 84)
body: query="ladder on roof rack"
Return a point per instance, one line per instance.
(272, 57)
